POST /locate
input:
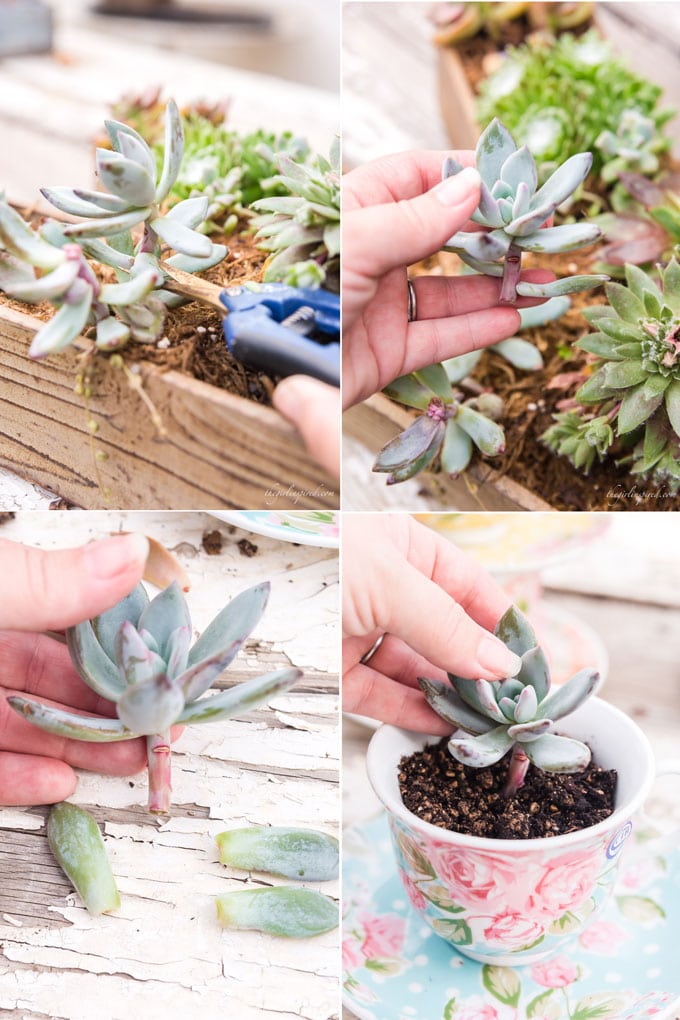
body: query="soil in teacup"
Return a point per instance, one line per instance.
(441, 791)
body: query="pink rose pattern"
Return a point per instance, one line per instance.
(508, 904)
(557, 972)
(383, 935)
(603, 938)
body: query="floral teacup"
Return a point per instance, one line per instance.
(512, 902)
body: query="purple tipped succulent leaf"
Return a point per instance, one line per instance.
(553, 753)
(563, 700)
(446, 703)
(507, 707)
(553, 240)
(135, 148)
(115, 129)
(409, 391)
(568, 285)
(482, 751)
(166, 613)
(487, 435)
(240, 698)
(92, 663)
(467, 691)
(483, 247)
(495, 145)
(232, 625)
(564, 181)
(197, 679)
(451, 167)
(510, 688)
(71, 725)
(173, 151)
(107, 625)
(136, 663)
(520, 207)
(124, 178)
(528, 731)
(528, 223)
(535, 671)
(487, 212)
(486, 695)
(526, 705)
(178, 652)
(515, 631)
(151, 706)
(410, 444)
(413, 467)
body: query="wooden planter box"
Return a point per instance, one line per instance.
(379, 419)
(220, 452)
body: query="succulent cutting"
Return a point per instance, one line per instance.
(78, 848)
(301, 230)
(559, 96)
(515, 209)
(451, 426)
(66, 254)
(139, 656)
(634, 381)
(514, 716)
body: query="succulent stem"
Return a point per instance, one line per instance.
(512, 268)
(160, 785)
(519, 763)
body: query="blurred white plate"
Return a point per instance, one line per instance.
(303, 527)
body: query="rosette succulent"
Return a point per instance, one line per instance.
(301, 230)
(635, 380)
(514, 715)
(139, 656)
(559, 95)
(134, 307)
(451, 426)
(514, 209)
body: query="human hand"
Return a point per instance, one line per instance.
(39, 591)
(396, 211)
(435, 607)
(314, 408)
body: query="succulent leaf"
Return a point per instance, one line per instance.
(281, 910)
(278, 850)
(412, 443)
(535, 671)
(163, 615)
(80, 202)
(485, 433)
(62, 329)
(446, 703)
(436, 379)
(515, 631)
(241, 698)
(50, 286)
(107, 624)
(124, 178)
(408, 390)
(519, 353)
(566, 698)
(556, 288)
(231, 626)
(150, 706)
(72, 725)
(183, 239)
(553, 753)
(480, 752)
(136, 662)
(78, 847)
(456, 449)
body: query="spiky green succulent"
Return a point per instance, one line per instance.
(514, 715)
(635, 380)
(559, 95)
(514, 209)
(139, 656)
(451, 426)
(134, 307)
(583, 440)
(301, 230)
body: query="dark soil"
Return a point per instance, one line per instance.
(212, 542)
(442, 791)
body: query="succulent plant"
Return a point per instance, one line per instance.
(581, 439)
(514, 209)
(634, 147)
(451, 426)
(635, 377)
(136, 192)
(645, 227)
(559, 96)
(456, 22)
(301, 230)
(514, 715)
(138, 655)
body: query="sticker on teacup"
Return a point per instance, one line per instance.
(618, 839)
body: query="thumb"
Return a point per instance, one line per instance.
(53, 589)
(401, 233)
(314, 408)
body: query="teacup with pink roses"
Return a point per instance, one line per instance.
(510, 901)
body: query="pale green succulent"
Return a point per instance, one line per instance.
(581, 439)
(139, 656)
(451, 426)
(635, 382)
(514, 209)
(634, 147)
(558, 96)
(514, 715)
(301, 230)
(68, 279)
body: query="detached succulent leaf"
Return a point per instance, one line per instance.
(277, 850)
(283, 911)
(78, 847)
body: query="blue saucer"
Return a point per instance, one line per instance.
(624, 966)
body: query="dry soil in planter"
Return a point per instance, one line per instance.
(442, 791)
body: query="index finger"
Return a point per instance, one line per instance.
(401, 175)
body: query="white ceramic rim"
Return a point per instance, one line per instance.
(378, 778)
(240, 519)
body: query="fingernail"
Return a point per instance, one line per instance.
(113, 556)
(493, 656)
(290, 393)
(455, 190)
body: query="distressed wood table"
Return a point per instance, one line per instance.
(625, 587)
(162, 954)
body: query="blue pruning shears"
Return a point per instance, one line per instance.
(279, 329)
(284, 330)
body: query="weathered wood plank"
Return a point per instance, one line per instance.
(220, 451)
